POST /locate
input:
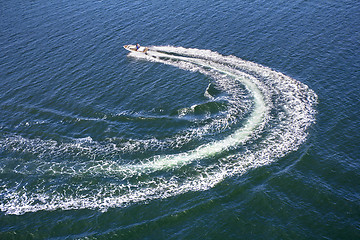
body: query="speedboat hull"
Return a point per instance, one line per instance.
(132, 48)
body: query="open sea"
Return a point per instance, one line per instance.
(240, 122)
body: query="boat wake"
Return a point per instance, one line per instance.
(266, 115)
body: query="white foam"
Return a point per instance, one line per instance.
(271, 120)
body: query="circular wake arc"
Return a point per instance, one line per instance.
(267, 115)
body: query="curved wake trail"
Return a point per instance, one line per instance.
(268, 115)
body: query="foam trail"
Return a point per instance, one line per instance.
(268, 115)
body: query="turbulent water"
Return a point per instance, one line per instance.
(189, 140)
(256, 116)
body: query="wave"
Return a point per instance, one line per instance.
(254, 116)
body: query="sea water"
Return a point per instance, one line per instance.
(240, 122)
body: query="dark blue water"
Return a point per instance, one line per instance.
(241, 122)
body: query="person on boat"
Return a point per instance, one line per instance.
(137, 46)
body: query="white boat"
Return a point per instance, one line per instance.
(132, 48)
